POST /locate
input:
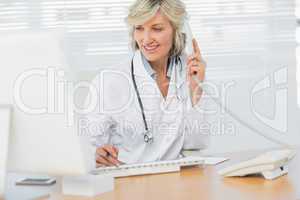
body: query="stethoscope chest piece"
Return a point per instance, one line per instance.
(148, 137)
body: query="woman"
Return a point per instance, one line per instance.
(150, 105)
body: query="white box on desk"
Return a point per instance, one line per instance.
(87, 185)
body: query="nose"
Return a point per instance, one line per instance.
(147, 37)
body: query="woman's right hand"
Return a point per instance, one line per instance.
(107, 155)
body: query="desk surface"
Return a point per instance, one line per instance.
(203, 183)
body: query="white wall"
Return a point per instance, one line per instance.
(274, 110)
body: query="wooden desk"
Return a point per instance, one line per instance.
(203, 183)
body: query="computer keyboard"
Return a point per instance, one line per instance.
(148, 168)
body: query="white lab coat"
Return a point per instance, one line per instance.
(117, 118)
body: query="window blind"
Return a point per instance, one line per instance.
(235, 36)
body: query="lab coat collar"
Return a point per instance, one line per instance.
(171, 63)
(139, 69)
(180, 72)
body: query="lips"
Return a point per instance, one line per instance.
(150, 49)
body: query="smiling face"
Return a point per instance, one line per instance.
(155, 37)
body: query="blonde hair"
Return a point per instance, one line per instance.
(174, 10)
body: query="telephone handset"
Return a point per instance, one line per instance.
(189, 49)
(188, 37)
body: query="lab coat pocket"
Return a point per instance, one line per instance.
(130, 133)
(132, 143)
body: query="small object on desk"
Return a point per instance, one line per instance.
(36, 181)
(149, 168)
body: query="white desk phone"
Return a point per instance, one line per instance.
(271, 164)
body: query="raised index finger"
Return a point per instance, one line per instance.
(196, 48)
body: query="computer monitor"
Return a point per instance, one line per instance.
(43, 137)
(4, 131)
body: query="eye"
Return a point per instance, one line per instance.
(157, 29)
(139, 28)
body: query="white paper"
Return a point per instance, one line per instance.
(213, 160)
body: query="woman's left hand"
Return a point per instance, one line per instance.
(196, 66)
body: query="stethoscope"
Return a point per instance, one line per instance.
(148, 136)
